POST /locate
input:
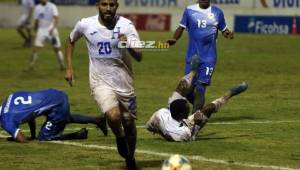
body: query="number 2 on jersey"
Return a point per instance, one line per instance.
(209, 71)
(104, 48)
(22, 100)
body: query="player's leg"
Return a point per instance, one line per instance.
(20, 30)
(107, 101)
(200, 118)
(55, 41)
(29, 36)
(185, 85)
(128, 110)
(99, 121)
(34, 57)
(199, 96)
(39, 41)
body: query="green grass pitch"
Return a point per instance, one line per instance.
(269, 64)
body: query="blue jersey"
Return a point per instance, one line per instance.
(22, 106)
(202, 26)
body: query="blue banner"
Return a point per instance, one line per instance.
(267, 24)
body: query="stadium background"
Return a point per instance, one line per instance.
(258, 130)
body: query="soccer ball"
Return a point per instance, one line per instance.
(176, 162)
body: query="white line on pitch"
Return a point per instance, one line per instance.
(162, 154)
(214, 123)
(191, 157)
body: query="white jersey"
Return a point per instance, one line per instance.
(107, 67)
(169, 127)
(45, 15)
(26, 6)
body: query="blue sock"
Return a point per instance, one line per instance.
(199, 97)
(77, 118)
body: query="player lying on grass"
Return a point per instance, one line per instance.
(24, 106)
(174, 124)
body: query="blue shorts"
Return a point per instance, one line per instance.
(57, 118)
(204, 73)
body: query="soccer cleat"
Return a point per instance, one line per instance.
(238, 89)
(195, 62)
(101, 124)
(81, 134)
(131, 164)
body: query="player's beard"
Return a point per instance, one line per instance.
(107, 18)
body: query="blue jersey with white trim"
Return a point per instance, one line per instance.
(21, 106)
(202, 26)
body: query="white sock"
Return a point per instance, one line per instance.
(60, 58)
(34, 57)
(219, 103)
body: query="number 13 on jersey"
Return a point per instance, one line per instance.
(202, 23)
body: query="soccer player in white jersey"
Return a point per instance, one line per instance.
(202, 22)
(174, 124)
(46, 19)
(110, 72)
(24, 22)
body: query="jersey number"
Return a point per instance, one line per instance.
(202, 23)
(104, 48)
(22, 100)
(209, 71)
(48, 125)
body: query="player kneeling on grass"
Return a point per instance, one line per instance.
(23, 107)
(174, 124)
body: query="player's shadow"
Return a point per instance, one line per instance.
(231, 119)
(207, 137)
(149, 164)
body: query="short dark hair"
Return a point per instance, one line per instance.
(179, 109)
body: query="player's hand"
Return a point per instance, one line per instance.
(69, 76)
(171, 41)
(122, 37)
(228, 34)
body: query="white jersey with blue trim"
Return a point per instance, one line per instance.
(202, 26)
(45, 15)
(107, 66)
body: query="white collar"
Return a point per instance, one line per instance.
(0, 109)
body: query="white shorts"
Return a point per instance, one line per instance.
(23, 22)
(43, 35)
(108, 98)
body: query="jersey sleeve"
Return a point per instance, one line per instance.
(184, 19)
(10, 126)
(222, 24)
(77, 32)
(133, 36)
(55, 11)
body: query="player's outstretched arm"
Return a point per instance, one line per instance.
(177, 35)
(228, 34)
(68, 58)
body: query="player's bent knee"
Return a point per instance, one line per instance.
(114, 115)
